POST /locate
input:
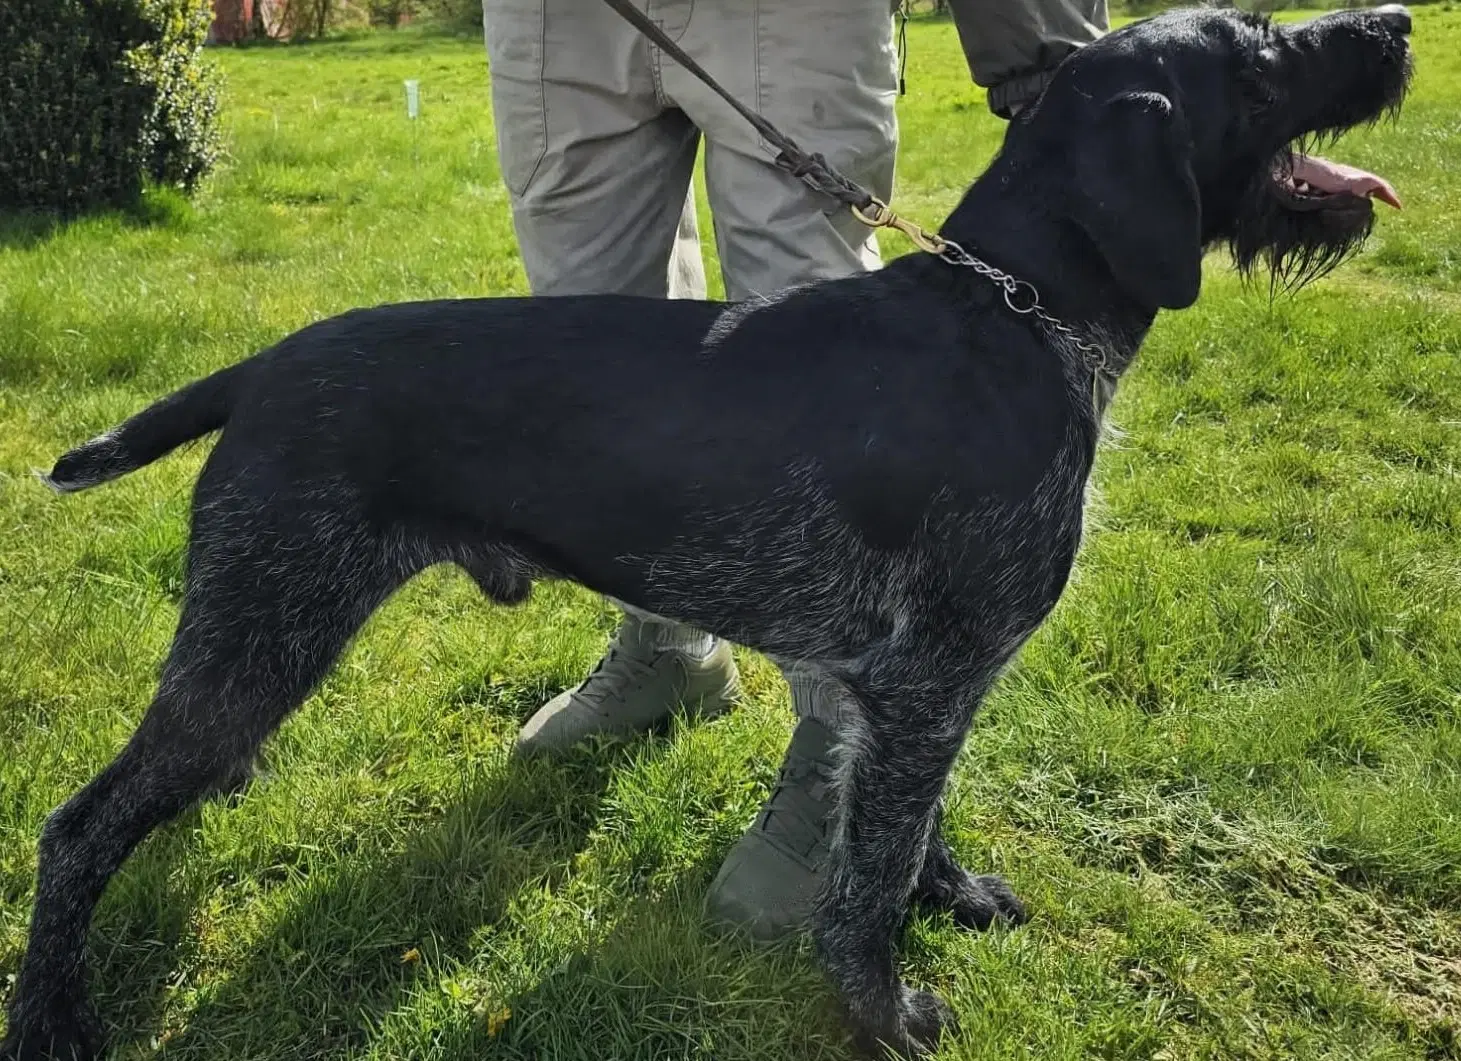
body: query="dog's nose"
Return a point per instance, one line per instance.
(1396, 16)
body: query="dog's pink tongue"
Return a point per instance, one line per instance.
(1336, 178)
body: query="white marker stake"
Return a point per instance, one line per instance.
(413, 111)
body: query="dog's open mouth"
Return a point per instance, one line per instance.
(1307, 216)
(1308, 182)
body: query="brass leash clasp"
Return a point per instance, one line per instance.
(878, 214)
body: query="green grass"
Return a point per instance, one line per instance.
(1226, 775)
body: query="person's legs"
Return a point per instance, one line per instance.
(596, 164)
(1013, 46)
(824, 72)
(598, 167)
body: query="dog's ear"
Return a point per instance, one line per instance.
(1134, 194)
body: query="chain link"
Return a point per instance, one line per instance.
(1023, 298)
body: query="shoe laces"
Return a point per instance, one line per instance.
(801, 803)
(615, 673)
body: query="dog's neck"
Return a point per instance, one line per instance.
(1011, 218)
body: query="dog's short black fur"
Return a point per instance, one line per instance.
(883, 474)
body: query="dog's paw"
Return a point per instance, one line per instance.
(977, 902)
(926, 1018)
(985, 900)
(921, 1019)
(61, 1033)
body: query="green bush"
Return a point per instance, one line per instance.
(97, 97)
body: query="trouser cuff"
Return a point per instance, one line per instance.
(1018, 92)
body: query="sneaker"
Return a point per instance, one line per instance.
(635, 687)
(768, 884)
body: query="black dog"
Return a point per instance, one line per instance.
(882, 474)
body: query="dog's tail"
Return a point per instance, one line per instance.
(199, 408)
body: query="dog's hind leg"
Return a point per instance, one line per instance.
(264, 618)
(975, 901)
(914, 706)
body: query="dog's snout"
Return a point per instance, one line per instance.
(1396, 16)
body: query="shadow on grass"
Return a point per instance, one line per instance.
(353, 964)
(157, 208)
(332, 966)
(23, 230)
(664, 984)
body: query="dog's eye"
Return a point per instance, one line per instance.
(1257, 93)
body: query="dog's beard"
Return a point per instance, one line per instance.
(1297, 242)
(1295, 239)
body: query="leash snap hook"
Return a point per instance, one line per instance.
(1021, 296)
(923, 239)
(875, 215)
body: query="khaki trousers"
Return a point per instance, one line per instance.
(598, 132)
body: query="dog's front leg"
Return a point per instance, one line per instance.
(897, 756)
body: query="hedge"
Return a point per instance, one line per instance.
(97, 97)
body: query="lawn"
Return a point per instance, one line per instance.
(1226, 776)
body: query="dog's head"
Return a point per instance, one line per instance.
(1179, 133)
